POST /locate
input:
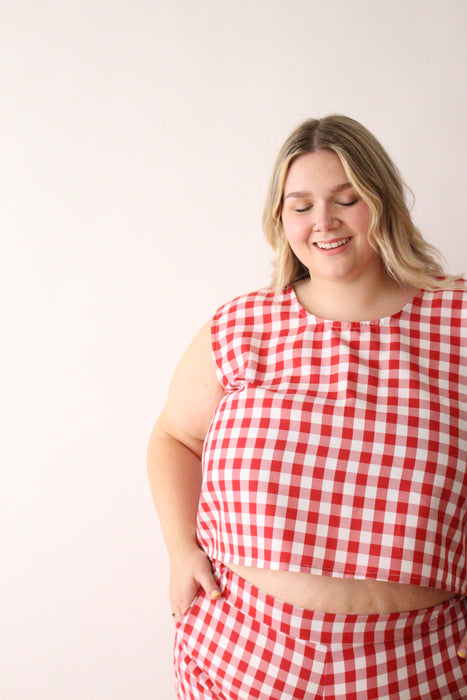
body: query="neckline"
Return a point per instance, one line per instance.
(384, 320)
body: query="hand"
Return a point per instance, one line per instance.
(189, 571)
(462, 650)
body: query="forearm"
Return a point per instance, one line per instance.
(175, 476)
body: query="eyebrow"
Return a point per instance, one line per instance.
(338, 188)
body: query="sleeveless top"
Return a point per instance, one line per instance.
(340, 448)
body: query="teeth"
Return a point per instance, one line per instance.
(336, 244)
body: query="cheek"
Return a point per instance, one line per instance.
(297, 232)
(362, 219)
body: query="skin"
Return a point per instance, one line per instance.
(348, 283)
(319, 206)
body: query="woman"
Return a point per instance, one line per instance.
(321, 554)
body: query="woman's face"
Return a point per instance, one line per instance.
(325, 221)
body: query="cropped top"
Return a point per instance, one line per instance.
(340, 448)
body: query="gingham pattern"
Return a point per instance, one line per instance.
(340, 448)
(248, 645)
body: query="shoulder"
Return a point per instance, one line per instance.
(442, 311)
(242, 326)
(248, 304)
(450, 300)
(259, 307)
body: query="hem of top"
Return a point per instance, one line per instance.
(358, 575)
(331, 628)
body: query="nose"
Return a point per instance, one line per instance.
(323, 218)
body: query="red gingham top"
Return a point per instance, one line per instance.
(340, 448)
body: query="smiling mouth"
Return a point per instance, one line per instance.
(334, 244)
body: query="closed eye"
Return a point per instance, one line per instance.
(302, 210)
(347, 204)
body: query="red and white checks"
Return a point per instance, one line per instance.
(248, 645)
(340, 448)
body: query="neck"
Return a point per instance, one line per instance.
(355, 300)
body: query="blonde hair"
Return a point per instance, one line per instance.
(406, 255)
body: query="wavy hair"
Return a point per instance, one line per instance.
(406, 255)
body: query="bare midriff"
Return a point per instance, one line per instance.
(345, 596)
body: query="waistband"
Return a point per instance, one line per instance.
(331, 628)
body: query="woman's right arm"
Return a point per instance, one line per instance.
(174, 468)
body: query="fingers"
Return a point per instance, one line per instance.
(184, 598)
(208, 582)
(188, 575)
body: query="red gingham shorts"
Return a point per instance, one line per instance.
(248, 644)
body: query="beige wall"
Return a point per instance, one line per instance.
(136, 143)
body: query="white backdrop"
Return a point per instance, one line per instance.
(137, 139)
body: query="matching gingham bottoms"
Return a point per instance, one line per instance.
(248, 645)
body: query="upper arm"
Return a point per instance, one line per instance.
(194, 394)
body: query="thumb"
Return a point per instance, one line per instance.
(208, 582)
(462, 651)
